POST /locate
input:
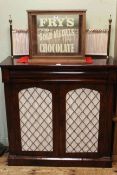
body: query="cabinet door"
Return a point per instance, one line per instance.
(34, 125)
(85, 120)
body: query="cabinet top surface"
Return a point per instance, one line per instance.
(109, 63)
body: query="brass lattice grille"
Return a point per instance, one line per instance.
(82, 120)
(35, 107)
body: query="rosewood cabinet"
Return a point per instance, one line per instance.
(60, 115)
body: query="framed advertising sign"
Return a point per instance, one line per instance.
(57, 36)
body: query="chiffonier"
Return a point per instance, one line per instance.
(60, 115)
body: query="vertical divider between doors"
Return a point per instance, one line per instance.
(56, 120)
(62, 120)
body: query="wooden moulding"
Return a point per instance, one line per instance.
(57, 36)
(115, 141)
(115, 119)
(62, 162)
(58, 60)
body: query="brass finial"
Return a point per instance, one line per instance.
(110, 20)
(10, 20)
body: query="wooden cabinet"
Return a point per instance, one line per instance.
(60, 115)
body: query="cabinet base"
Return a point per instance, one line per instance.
(14, 160)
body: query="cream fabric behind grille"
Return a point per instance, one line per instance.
(82, 120)
(35, 106)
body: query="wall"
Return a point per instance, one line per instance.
(98, 12)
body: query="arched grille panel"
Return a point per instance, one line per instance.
(82, 120)
(35, 107)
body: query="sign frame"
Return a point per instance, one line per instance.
(68, 56)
